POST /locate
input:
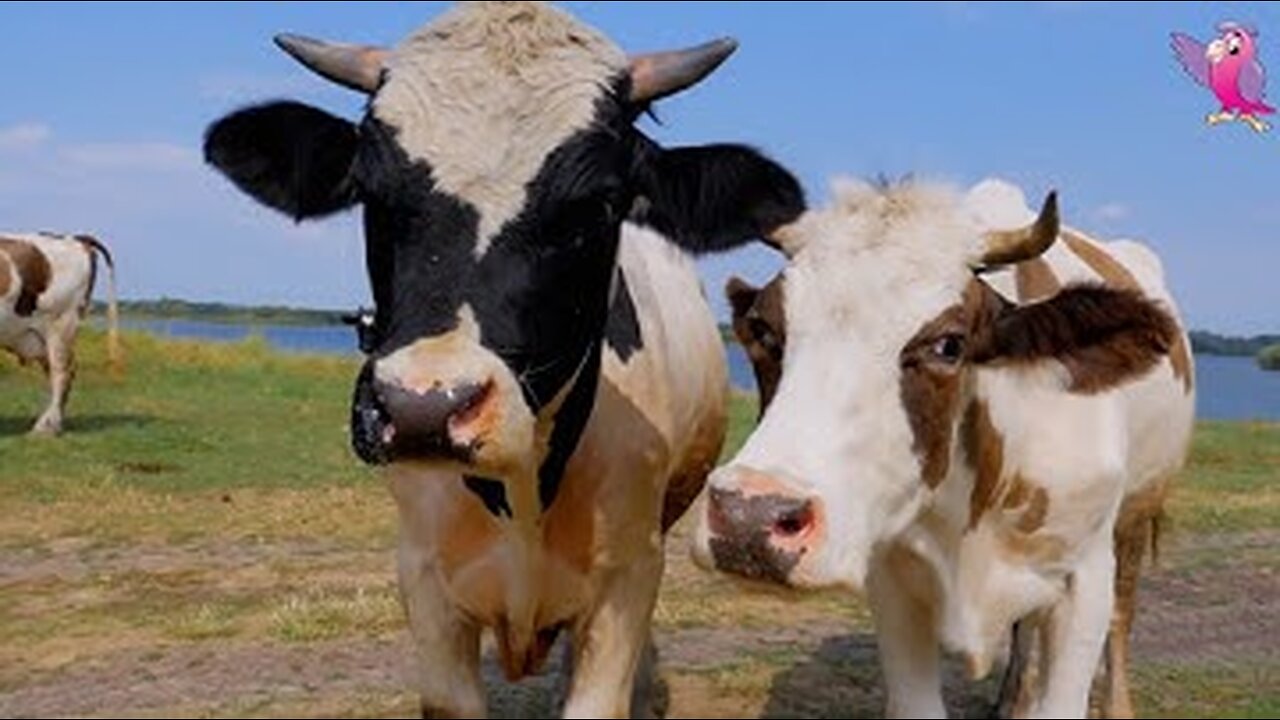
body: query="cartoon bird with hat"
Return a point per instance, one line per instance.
(1229, 67)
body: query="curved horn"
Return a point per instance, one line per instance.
(1005, 247)
(657, 75)
(358, 67)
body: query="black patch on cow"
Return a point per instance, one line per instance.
(289, 156)
(570, 420)
(710, 198)
(368, 420)
(622, 330)
(491, 492)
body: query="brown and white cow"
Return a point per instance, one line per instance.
(964, 459)
(759, 324)
(545, 383)
(46, 285)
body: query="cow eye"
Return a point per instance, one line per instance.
(949, 348)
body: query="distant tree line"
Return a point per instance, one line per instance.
(172, 309)
(1269, 357)
(1207, 343)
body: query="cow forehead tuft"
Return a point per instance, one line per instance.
(486, 92)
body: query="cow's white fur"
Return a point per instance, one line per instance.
(869, 272)
(484, 120)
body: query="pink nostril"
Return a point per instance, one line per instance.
(794, 522)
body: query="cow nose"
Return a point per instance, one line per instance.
(435, 423)
(758, 528)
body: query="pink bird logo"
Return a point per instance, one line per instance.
(1229, 67)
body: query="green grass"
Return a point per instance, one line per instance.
(185, 417)
(1232, 481)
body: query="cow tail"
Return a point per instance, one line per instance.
(115, 354)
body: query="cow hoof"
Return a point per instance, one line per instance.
(46, 429)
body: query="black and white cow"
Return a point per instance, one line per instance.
(546, 385)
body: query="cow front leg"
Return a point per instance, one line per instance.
(608, 644)
(447, 644)
(59, 364)
(1074, 635)
(907, 636)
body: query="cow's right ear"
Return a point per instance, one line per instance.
(286, 155)
(741, 296)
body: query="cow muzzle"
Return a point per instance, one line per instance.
(757, 527)
(391, 422)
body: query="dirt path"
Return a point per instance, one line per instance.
(1209, 602)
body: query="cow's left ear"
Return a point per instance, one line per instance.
(286, 155)
(1102, 336)
(714, 197)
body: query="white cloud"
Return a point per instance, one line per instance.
(131, 157)
(24, 136)
(1112, 212)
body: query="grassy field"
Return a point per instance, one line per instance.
(202, 543)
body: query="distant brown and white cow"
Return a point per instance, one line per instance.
(970, 462)
(545, 381)
(46, 284)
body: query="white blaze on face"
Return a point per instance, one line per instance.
(870, 272)
(487, 91)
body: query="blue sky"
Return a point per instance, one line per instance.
(105, 104)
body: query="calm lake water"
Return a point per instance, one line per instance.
(1230, 388)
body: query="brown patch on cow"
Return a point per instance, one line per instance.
(34, 273)
(691, 473)
(929, 395)
(1102, 336)
(6, 275)
(984, 451)
(1037, 510)
(568, 531)
(1037, 548)
(1100, 261)
(1136, 526)
(465, 538)
(1035, 280)
(1033, 498)
(1018, 495)
(930, 388)
(759, 323)
(1118, 276)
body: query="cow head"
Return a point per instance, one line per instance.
(496, 163)
(890, 335)
(761, 330)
